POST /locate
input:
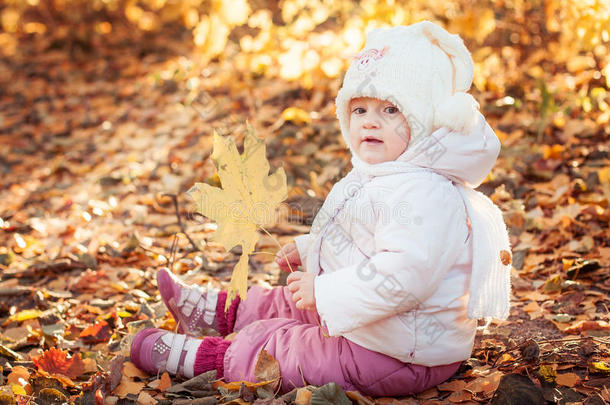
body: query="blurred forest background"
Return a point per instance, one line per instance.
(107, 109)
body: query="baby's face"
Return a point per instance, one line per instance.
(378, 132)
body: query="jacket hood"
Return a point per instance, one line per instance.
(463, 157)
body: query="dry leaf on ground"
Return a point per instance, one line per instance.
(267, 367)
(128, 386)
(567, 379)
(165, 382)
(56, 361)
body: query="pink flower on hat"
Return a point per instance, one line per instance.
(366, 58)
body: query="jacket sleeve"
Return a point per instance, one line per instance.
(303, 242)
(415, 246)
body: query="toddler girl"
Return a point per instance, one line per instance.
(402, 258)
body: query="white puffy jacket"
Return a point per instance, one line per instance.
(392, 250)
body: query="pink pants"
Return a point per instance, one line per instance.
(268, 319)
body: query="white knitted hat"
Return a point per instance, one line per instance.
(420, 68)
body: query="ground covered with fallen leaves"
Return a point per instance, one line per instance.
(97, 149)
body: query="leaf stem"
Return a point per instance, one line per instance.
(280, 246)
(291, 270)
(258, 252)
(321, 328)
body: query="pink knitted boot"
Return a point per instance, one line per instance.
(195, 308)
(157, 350)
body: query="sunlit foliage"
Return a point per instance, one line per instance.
(560, 47)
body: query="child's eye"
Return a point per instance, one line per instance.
(359, 110)
(391, 109)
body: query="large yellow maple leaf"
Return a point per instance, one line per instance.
(246, 202)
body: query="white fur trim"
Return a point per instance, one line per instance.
(457, 112)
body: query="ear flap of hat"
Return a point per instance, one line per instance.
(455, 49)
(458, 112)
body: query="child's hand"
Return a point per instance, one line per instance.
(301, 285)
(291, 252)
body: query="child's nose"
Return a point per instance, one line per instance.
(370, 123)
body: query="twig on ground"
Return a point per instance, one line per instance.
(172, 252)
(140, 245)
(17, 290)
(174, 198)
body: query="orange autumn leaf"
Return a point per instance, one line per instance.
(165, 383)
(459, 396)
(506, 257)
(19, 380)
(145, 398)
(236, 385)
(454, 385)
(56, 361)
(303, 396)
(267, 367)
(553, 152)
(98, 333)
(585, 325)
(128, 386)
(62, 379)
(99, 397)
(130, 370)
(485, 385)
(18, 373)
(567, 379)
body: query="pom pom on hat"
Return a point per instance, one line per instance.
(457, 112)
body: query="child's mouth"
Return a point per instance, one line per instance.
(369, 140)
